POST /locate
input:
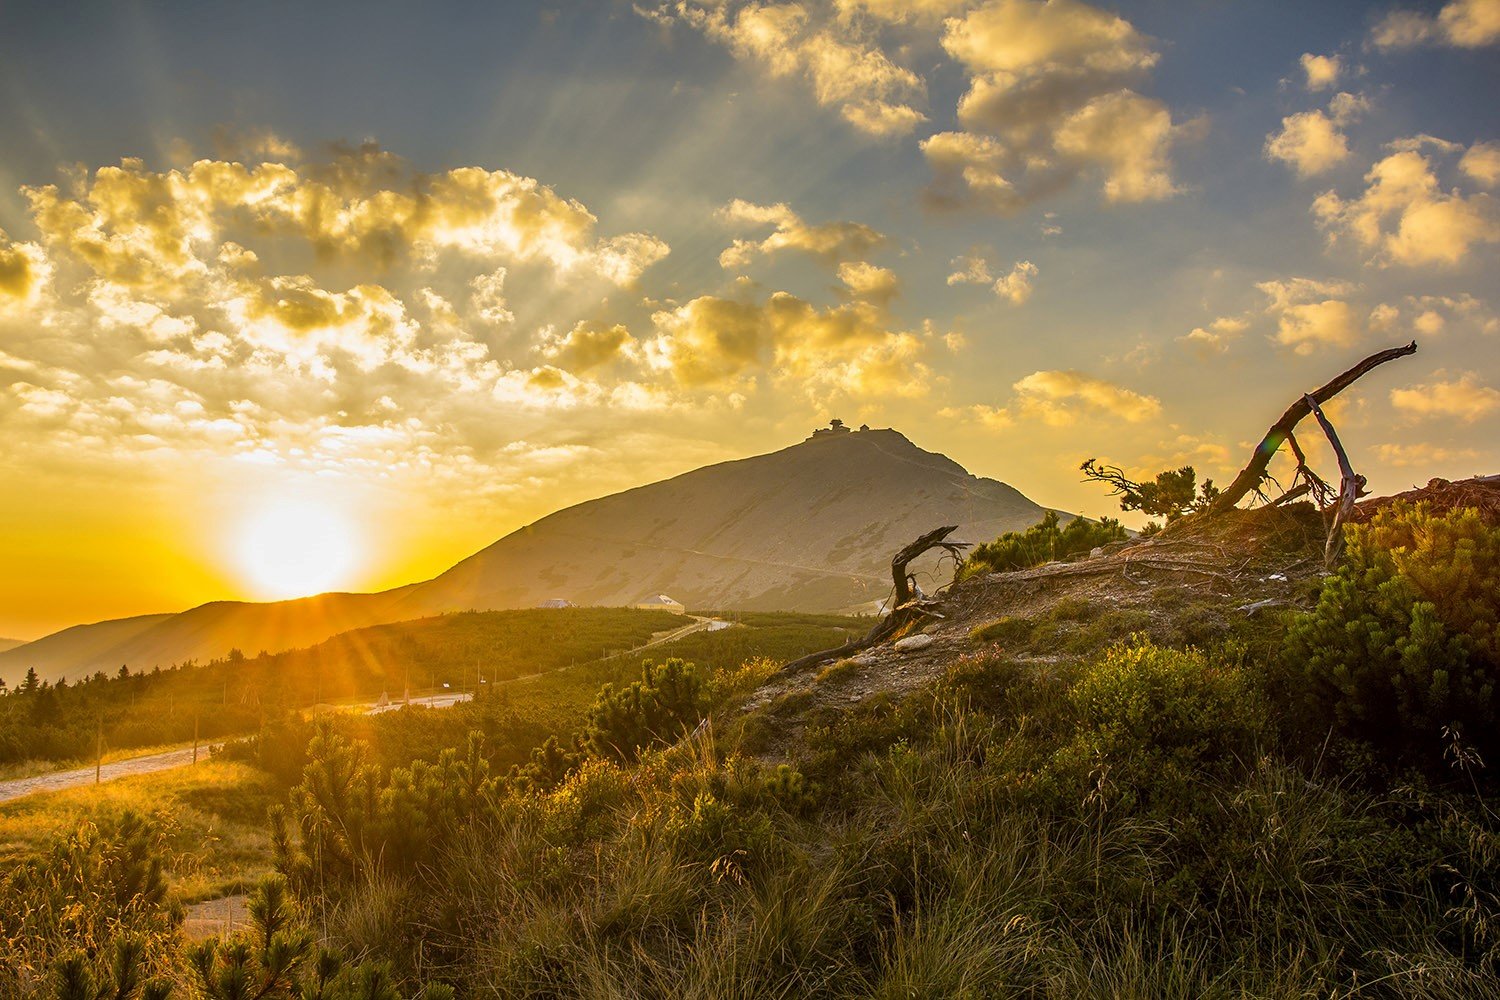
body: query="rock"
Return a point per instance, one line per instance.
(865, 661)
(912, 643)
(1096, 552)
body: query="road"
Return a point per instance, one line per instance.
(58, 780)
(151, 763)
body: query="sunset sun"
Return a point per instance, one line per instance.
(295, 547)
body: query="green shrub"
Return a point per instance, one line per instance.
(1404, 642)
(1040, 543)
(666, 702)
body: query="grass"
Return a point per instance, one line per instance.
(214, 814)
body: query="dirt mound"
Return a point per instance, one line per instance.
(1195, 584)
(1481, 492)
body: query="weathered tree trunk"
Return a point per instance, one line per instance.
(1350, 488)
(903, 606)
(1254, 473)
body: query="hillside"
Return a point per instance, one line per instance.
(11, 644)
(809, 528)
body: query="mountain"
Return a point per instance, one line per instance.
(809, 528)
(11, 644)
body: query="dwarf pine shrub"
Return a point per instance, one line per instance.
(1404, 642)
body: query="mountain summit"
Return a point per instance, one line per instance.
(811, 527)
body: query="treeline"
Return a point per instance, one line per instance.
(63, 721)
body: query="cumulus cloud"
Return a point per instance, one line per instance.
(1431, 315)
(1059, 398)
(714, 341)
(846, 68)
(831, 241)
(1311, 314)
(1464, 398)
(1051, 86)
(1313, 142)
(588, 346)
(1468, 24)
(1481, 163)
(23, 272)
(1405, 217)
(1321, 72)
(1216, 337)
(1015, 287)
(966, 170)
(868, 282)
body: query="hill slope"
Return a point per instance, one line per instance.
(808, 528)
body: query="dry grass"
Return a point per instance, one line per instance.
(214, 814)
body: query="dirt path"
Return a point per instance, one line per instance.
(58, 780)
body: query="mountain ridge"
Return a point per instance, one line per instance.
(809, 527)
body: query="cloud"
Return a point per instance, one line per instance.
(846, 69)
(1463, 398)
(1321, 72)
(135, 226)
(869, 283)
(1405, 217)
(589, 346)
(1309, 316)
(831, 241)
(1216, 337)
(1051, 85)
(1312, 141)
(23, 271)
(1431, 315)
(1468, 24)
(1015, 287)
(1482, 163)
(1058, 398)
(966, 172)
(847, 349)
(1404, 455)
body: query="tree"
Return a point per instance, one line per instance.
(32, 682)
(1171, 494)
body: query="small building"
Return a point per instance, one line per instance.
(661, 602)
(557, 602)
(834, 429)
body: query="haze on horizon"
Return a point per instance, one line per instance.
(304, 297)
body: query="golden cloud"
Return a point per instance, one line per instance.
(1468, 24)
(832, 241)
(846, 70)
(1405, 217)
(869, 283)
(1321, 72)
(1463, 398)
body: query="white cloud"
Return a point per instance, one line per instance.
(1308, 315)
(1313, 142)
(1015, 287)
(832, 241)
(1216, 337)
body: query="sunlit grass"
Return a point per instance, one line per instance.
(214, 814)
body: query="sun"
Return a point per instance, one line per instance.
(293, 547)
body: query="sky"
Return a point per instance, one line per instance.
(329, 296)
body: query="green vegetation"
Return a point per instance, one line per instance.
(61, 722)
(1041, 543)
(1402, 652)
(1173, 493)
(1273, 811)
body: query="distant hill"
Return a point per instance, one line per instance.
(11, 644)
(809, 528)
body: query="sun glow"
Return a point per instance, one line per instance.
(296, 547)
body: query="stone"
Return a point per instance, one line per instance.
(912, 643)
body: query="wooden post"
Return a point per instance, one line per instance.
(195, 739)
(99, 753)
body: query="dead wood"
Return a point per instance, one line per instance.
(1254, 473)
(905, 606)
(1351, 487)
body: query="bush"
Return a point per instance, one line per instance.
(666, 702)
(1040, 543)
(1404, 642)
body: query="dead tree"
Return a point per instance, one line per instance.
(905, 605)
(1255, 472)
(1351, 488)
